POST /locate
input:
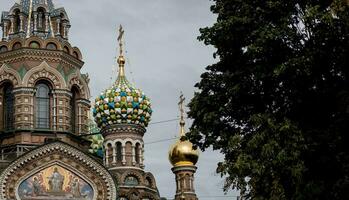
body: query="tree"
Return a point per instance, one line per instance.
(276, 103)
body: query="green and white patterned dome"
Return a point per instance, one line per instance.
(122, 103)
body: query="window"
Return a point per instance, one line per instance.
(119, 151)
(34, 45)
(3, 49)
(137, 151)
(8, 107)
(42, 106)
(131, 181)
(51, 46)
(17, 45)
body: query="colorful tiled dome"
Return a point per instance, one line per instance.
(122, 103)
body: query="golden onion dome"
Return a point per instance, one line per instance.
(183, 153)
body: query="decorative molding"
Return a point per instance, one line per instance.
(44, 71)
(9, 74)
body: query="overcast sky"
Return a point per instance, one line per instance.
(164, 58)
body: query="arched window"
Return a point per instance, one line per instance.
(8, 107)
(34, 45)
(42, 106)
(3, 49)
(137, 151)
(76, 55)
(74, 111)
(41, 19)
(17, 21)
(51, 46)
(66, 49)
(17, 45)
(119, 151)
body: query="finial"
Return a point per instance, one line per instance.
(121, 59)
(181, 109)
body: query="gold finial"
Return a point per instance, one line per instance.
(181, 109)
(121, 59)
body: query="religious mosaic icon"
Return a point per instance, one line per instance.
(55, 183)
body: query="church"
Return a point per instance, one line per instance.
(58, 144)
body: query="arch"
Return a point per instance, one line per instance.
(32, 40)
(14, 8)
(34, 45)
(151, 177)
(9, 74)
(16, 46)
(41, 22)
(101, 180)
(51, 46)
(17, 22)
(12, 43)
(54, 41)
(80, 83)
(3, 49)
(66, 49)
(136, 174)
(77, 52)
(44, 72)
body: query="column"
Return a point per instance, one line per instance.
(140, 156)
(64, 29)
(12, 19)
(114, 154)
(3, 31)
(58, 31)
(106, 156)
(123, 154)
(21, 26)
(47, 22)
(35, 21)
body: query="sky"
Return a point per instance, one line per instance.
(164, 57)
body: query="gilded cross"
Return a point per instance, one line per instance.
(120, 37)
(181, 107)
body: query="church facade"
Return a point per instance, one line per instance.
(50, 147)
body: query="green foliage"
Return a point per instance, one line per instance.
(276, 104)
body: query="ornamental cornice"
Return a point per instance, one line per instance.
(84, 101)
(123, 128)
(40, 55)
(27, 90)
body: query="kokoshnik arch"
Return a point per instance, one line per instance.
(50, 147)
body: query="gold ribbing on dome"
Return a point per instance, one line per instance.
(121, 59)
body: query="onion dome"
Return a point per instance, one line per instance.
(182, 153)
(122, 103)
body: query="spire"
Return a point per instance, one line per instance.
(121, 59)
(181, 109)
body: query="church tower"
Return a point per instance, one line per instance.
(43, 95)
(44, 106)
(183, 157)
(123, 112)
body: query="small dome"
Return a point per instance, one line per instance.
(182, 153)
(122, 104)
